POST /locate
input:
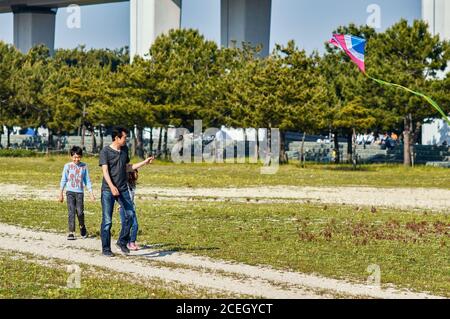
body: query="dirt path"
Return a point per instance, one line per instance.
(403, 198)
(201, 272)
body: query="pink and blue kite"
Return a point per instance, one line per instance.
(355, 49)
(353, 46)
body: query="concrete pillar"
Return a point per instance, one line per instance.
(149, 19)
(437, 14)
(33, 26)
(246, 21)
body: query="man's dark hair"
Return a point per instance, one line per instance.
(76, 150)
(118, 131)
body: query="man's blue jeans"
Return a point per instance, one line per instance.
(108, 201)
(134, 225)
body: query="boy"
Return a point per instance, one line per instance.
(75, 176)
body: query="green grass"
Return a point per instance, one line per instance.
(25, 276)
(46, 171)
(412, 248)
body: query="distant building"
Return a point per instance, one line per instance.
(436, 133)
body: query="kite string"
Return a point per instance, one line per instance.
(427, 98)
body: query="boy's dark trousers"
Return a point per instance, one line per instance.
(75, 204)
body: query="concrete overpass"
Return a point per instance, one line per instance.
(5, 5)
(241, 20)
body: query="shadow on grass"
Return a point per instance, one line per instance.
(347, 169)
(168, 252)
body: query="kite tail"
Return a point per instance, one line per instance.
(427, 98)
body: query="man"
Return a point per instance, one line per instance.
(113, 160)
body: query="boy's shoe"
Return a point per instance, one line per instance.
(123, 248)
(83, 232)
(108, 253)
(133, 246)
(71, 236)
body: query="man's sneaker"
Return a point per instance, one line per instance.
(108, 254)
(83, 232)
(71, 236)
(133, 246)
(123, 248)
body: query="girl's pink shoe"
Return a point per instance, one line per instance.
(133, 246)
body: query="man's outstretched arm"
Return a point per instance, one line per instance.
(143, 163)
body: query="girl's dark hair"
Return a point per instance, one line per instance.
(76, 150)
(132, 178)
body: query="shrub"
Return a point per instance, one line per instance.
(17, 153)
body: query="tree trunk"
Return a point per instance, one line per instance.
(139, 143)
(83, 134)
(101, 137)
(257, 144)
(354, 155)
(245, 139)
(283, 156)
(133, 142)
(151, 141)
(159, 142)
(417, 135)
(407, 141)
(268, 156)
(302, 151)
(337, 158)
(49, 141)
(350, 147)
(165, 143)
(1, 134)
(94, 141)
(58, 141)
(8, 137)
(414, 139)
(83, 128)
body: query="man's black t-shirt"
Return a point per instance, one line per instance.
(117, 167)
